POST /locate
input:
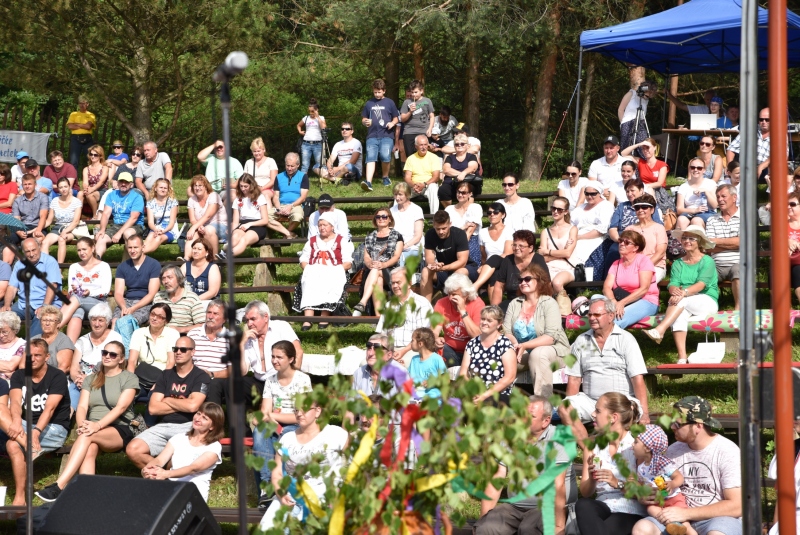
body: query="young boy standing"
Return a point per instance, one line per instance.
(380, 115)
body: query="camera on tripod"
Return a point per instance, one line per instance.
(325, 132)
(643, 88)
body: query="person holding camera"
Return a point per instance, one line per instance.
(314, 129)
(632, 107)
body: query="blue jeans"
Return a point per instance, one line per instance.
(51, 438)
(36, 326)
(78, 146)
(264, 447)
(307, 151)
(355, 171)
(379, 149)
(635, 312)
(406, 254)
(74, 394)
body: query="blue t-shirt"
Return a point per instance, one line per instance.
(137, 281)
(47, 265)
(123, 205)
(290, 189)
(119, 156)
(420, 371)
(380, 110)
(43, 182)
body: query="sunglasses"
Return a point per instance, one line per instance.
(374, 345)
(137, 154)
(638, 207)
(492, 212)
(792, 205)
(688, 238)
(94, 154)
(557, 210)
(159, 316)
(345, 128)
(381, 216)
(105, 353)
(571, 174)
(509, 184)
(117, 146)
(678, 425)
(763, 119)
(459, 144)
(527, 280)
(462, 193)
(591, 194)
(696, 167)
(178, 349)
(706, 144)
(626, 242)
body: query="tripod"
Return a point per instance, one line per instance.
(639, 117)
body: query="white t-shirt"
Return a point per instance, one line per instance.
(345, 149)
(262, 172)
(598, 218)
(330, 442)
(605, 173)
(277, 331)
(706, 473)
(283, 396)
(200, 211)
(573, 194)
(97, 281)
(474, 214)
(493, 247)
(90, 353)
(185, 454)
(614, 498)
(520, 215)
(249, 211)
(689, 197)
(773, 474)
(404, 222)
(311, 126)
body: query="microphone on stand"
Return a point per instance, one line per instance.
(234, 64)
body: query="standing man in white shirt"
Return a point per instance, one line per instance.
(348, 152)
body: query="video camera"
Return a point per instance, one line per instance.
(643, 88)
(325, 132)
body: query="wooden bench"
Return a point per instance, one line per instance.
(221, 514)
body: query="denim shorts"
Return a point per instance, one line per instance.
(379, 148)
(705, 216)
(51, 438)
(156, 437)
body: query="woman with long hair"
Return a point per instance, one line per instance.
(311, 127)
(250, 216)
(496, 243)
(193, 455)
(103, 418)
(697, 197)
(557, 244)
(95, 177)
(9, 189)
(651, 170)
(714, 164)
(277, 406)
(162, 213)
(65, 215)
(467, 216)
(571, 187)
(202, 275)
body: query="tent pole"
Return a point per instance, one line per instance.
(577, 106)
(748, 359)
(781, 299)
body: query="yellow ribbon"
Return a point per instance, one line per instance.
(437, 480)
(336, 525)
(310, 497)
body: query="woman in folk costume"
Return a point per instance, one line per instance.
(325, 260)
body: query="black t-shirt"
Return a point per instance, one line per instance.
(460, 166)
(508, 273)
(447, 249)
(4, 390)
(54, 382)
(173, 385)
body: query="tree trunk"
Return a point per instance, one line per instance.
(391, 70)
(636, 74)
(586, 107)
(472, 95)
(419, 68)
(537, 116)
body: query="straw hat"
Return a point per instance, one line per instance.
(698, 232)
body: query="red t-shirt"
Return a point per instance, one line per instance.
(6, 190)
(650, 176)
(455, 332)
(66, 171)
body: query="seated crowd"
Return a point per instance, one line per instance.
(501, 297)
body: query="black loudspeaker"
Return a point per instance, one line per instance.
(767, 385)
(129, 506)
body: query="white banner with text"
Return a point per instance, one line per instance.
(14, 141)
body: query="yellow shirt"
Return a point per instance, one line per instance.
(80, 117)
(422, 168)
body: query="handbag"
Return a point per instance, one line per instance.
(137, 425)
(619, 293)
(670, 219)
(473, 179)
(298, 147)
(147, 373)
(564, 304)
(708, 352)
(579, 270)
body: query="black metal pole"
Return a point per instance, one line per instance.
(236, 420)
(24, 276)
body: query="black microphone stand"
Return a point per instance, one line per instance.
(25, 276)
(236, 410)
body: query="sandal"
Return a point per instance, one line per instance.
(359, 310)
(654, 335)
(322, 325)
(306, 327)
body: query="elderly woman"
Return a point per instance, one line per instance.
(89, 285)
(102, 419)
(250, 215)
(592, 219)
(467, 216)
(324, 260)
(557, 245)
(631, 282)
(206, 215)
(533, 324)
(12, 347)
(461, 309)
(88, 347)
(262, 167)
(524, 254)
(697, 197)
(60, 346)
(654, 233)
(383, 248)
(455, 168)
(714, 163)
(693, 289)
(491, 357)
(409, 220)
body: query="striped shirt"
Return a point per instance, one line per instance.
(717, 227)
(187, 310)
(208, 354)
(415, 319)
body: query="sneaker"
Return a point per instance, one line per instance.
(366, 186)
(358, 310)
(387, 181)
(49, 493)
(265, 499)
(221, 255)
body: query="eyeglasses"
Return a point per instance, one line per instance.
(763, 119)
(527, 280)
(492, 212)
(597, 315)
(557, 210)
(178, 349)
(105, 353)
(381, 216)
(520, 246)
(792, 205)
(509, 184)
(345, 128)
(591, 194)
(159, 316)
(696, 167)
(571, 174)
(626, 242)
(678, 425)
(459, 144)
(117, 146)
(688, 238)
(462, 193)
(706, 144)
(94, 155)
(374, 345)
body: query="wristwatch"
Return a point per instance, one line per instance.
(620, 484)
(212, 375)
(464, 314)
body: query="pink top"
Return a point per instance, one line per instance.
(627, 278)
(654, 235)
